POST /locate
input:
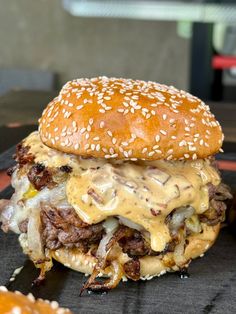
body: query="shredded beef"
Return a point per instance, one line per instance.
(211, 190)
(66, 169)
(216, 212)
(135, 245)
(69, 231)
(132, 269)
(22, 155)
(40, 177)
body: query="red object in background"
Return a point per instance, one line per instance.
(5, 180)
(223, 62)
(226, 165)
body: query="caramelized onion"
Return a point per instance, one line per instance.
(123, 181)
(114, 279)
(129, 223)
(158, 175)
(110, 225)
(179, 252)
(178, 217)
(193, 224)
(34, 238)
(3, 204)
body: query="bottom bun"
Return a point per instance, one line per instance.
(150, 266)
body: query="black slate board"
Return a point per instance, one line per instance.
(211, 287)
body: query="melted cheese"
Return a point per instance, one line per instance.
(144, 191)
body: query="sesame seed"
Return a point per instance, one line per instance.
(182, 143)
(79, 107)
(97, 147)
(114, 140)
(109, 133)
(102, 123)
(164, 116)
(76, 146)
(121, 110)
(124, 144)
(102, 110)
(144, 150)
(186, 155)
(157, 138)
(163, 132)
(151, 153)
(82, 130)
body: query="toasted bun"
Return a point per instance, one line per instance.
(123, 118)
(150, 266)
(18, 303)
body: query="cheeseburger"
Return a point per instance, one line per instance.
(119, 181)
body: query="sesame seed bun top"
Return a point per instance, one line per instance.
(15, 302)
(129, 119)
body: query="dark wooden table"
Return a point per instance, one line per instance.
(211, 287)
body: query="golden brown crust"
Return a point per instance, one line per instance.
(149, 265)
(18, 303)
(122, 118)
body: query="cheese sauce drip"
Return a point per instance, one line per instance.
(144, 192)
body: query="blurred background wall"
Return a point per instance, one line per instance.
(40, 34)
